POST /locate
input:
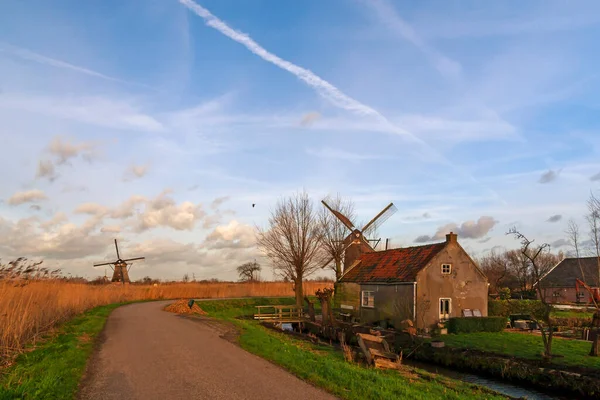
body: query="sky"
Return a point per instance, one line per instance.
(160, 122)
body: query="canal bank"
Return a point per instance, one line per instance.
(527, 374)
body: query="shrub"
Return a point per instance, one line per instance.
(504, 308)
(476, 324)
(504, 293)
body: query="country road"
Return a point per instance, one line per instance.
(147, 353)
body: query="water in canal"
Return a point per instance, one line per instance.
(497, 385)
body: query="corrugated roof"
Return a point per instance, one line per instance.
(395, 265)
(565, 272)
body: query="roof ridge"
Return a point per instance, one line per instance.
(409, 247)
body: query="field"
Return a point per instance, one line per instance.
(28, 310)
(54, 368)
(325, 367)
(571, 352)
(572, 314)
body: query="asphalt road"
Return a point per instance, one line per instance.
(146, 353)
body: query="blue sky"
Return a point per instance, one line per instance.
(160, 122)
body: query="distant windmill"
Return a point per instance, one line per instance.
(121, 273)
(356, 243)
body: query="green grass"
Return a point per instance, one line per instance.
(573, 352)
(572, 314)
(325, 367)
(53, 370)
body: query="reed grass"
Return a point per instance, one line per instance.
(31, 308)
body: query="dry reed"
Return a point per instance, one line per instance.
(28, 309)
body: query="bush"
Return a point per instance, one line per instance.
(504, 293)
(504, 308)
(476, 324)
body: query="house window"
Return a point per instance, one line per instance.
(368, 299)
(445, 308)
(446, 269)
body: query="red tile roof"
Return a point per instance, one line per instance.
(396, 265)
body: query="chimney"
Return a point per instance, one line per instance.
(451, 237)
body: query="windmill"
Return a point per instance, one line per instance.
(121, 273)
(356, 242)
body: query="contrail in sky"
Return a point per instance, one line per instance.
(323, 88)
(29, 55)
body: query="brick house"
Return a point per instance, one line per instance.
(558, 285)
(426, 284)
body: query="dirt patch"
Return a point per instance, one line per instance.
(225, 330)
(181, 307)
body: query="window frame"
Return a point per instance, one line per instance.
(440, 308)
(449, 269)
(372, 297)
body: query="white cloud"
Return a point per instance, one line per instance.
(135, 172)
(232, 235)
(179, 217)
(218, 201)
(111, 229)
(47, 170)
(29, 196)
(549, 176)
(467, 230)
(91, 209)
(65, 150)
(58, 219)
(310, 118)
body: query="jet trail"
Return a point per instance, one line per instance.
(323, 88)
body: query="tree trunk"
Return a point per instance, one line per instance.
(595, 342)
(325, 312)
(299, 292)
(311, 309)
(338, 269)
(549, 342)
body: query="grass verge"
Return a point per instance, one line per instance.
(325, 367)
(572, 314)
(571, 352)
(54, 368)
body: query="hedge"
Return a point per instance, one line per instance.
(504, 308)
(476, 324)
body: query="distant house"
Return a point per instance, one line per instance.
(426, 284)
(558, 285)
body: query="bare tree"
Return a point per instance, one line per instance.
(248, 272)
(593, 219)
(573, 237)
(540, 266)
(495, 267)
(334, 232)
(293, 241)
(520, 268)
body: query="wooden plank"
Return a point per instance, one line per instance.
(371, 338)
(378, 353)
(382, 363)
